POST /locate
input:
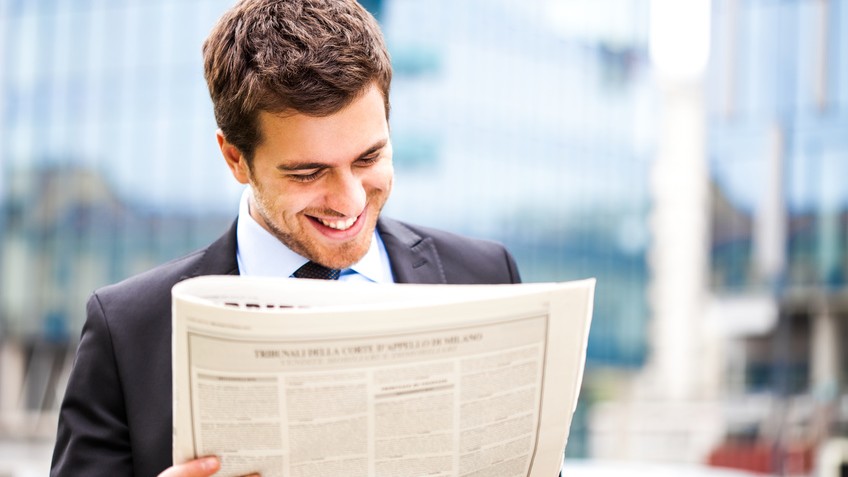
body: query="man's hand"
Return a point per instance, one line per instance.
(202, 467)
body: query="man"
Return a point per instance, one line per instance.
(301, 95)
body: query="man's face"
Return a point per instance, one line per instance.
(319, 183)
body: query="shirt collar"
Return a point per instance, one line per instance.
(260, 253)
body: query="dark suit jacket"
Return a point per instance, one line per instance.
(115, 419)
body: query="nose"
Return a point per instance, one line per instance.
(346, 194)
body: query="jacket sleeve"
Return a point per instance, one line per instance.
(514, 276)
(93, 437)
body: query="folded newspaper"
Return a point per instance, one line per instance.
(314, 378)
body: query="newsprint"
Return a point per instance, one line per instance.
(308, 378)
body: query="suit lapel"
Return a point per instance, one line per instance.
(414, 259)
(219, 258)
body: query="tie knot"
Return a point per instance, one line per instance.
(317, 271)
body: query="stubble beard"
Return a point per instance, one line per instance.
(339, 256)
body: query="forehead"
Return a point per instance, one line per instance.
(339, 136)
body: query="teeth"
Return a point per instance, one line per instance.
(339, 224)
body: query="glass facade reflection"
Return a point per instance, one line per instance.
(779, 159)
(779, 113)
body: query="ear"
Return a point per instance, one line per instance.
(235, 159)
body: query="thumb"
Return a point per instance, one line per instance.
(202, 467)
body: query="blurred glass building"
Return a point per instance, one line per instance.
(778, 156)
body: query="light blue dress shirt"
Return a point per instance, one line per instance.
(259, 253)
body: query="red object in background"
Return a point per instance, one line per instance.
(762, 458)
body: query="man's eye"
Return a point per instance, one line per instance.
(305, 177)
(367, 161)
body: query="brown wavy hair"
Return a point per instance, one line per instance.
(310, 56)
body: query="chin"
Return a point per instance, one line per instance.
(343, 256)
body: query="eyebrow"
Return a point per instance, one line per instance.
(301, 166)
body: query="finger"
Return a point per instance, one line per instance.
(203, 467)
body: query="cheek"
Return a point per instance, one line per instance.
(288, 208)
(294, 200)
(381, 177)
(276, 202)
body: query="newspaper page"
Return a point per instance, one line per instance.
(308, 378)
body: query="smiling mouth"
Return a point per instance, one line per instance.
(339, 224)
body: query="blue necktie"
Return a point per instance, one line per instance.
(316, 271)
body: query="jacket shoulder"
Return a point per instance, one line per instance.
(151, 284)
(463, 260)
(154, 285)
